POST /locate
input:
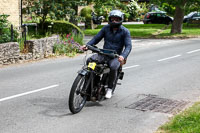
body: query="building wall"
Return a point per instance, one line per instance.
(12, 8)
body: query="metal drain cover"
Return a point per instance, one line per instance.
(156, 104)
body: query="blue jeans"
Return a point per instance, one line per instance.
(114, 65)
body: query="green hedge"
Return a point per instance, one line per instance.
(86, 13)
(54, 27)
(64, 27)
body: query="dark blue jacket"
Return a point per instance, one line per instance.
(120, 41)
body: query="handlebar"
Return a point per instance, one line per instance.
(93, 49)
(106, 52)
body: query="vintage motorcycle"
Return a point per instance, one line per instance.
(92, 80)
(97, 19)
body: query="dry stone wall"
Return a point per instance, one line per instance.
(41, 48)
(34, 50)
(9, 53)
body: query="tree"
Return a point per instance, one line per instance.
(192, 6)
(180, 7)
(55, 9)
(136, 10)
(107, 6)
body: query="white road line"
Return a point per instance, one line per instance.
(130, 67)
(136, 40)
(197, 50)
(27, 93)
(169, 58)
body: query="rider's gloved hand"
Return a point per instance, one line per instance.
(84, 48)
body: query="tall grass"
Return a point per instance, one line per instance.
(21, 42)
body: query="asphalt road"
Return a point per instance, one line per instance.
(34, 96)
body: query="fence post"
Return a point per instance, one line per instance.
(24, 31)
(12, 34)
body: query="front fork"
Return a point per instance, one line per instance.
(89, 82)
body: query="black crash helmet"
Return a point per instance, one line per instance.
(115, 13)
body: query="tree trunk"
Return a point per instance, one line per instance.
(178, 19)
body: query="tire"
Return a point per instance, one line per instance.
(76, 99)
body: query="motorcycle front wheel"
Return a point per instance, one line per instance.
(77, 99)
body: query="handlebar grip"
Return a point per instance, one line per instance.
(116, 55)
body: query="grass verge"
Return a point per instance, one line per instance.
(186, 122)
(154, 31)
(136, 30)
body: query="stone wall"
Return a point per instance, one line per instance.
(41, 48)
(34, 50)
(9, 53)
(12, 8)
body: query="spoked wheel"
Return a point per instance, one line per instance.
(101, 94)
(77, 98)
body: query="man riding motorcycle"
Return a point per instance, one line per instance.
(117, 38)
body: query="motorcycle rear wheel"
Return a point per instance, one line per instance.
(77, 99)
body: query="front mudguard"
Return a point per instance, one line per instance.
(83, 72)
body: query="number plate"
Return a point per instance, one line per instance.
(92, 65)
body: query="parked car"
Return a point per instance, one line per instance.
(157, 18)
(191, 16)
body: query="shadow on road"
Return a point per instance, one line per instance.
(51, 107)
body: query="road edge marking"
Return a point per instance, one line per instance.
(27, 93)
(193, 51)
(130, 67)
(169, 58)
